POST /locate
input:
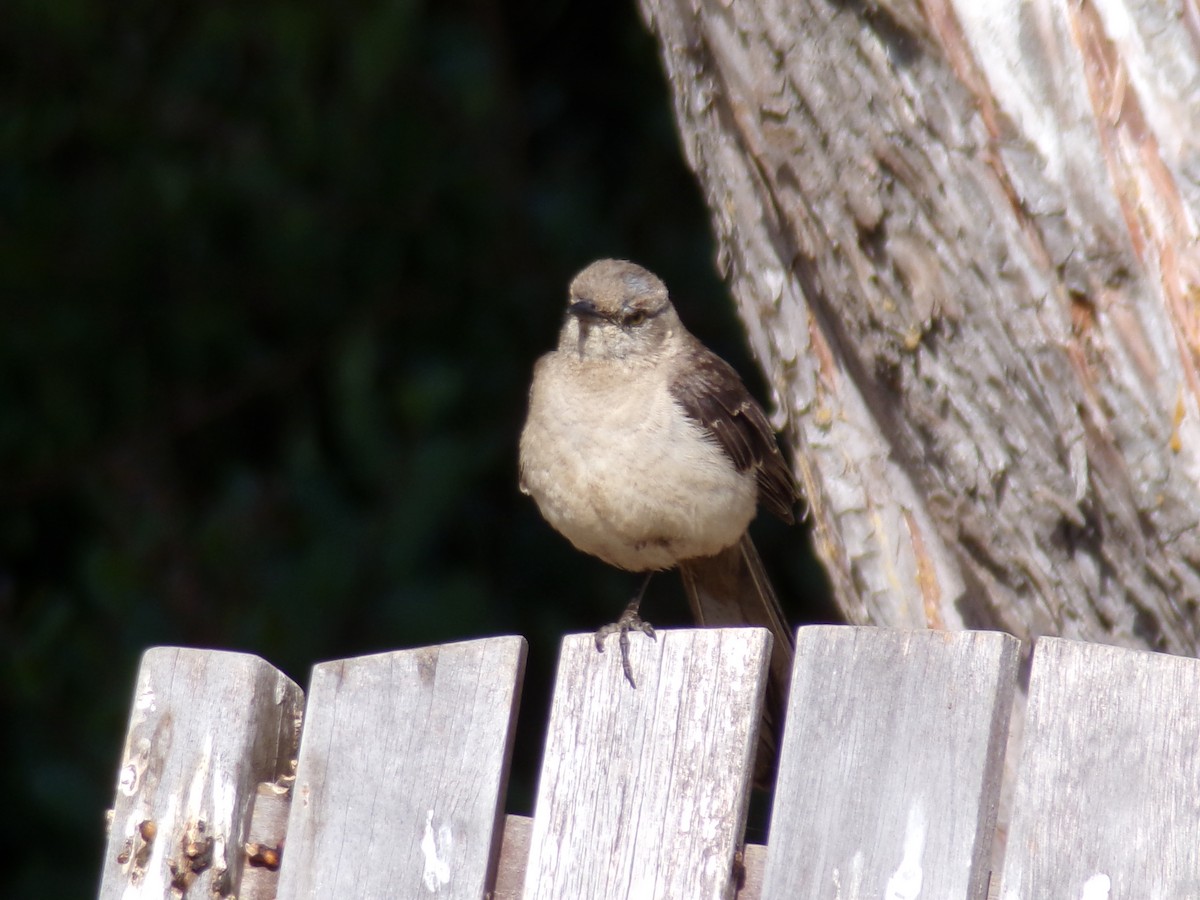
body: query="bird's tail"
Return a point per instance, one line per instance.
(732, 588)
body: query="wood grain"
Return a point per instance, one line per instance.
(400, 785)
(890, 771)
(1108, 795)
(206, 727)
(643, 792)
(265, 841)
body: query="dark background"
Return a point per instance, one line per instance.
(274, 277)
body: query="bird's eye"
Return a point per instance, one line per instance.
(635, 318)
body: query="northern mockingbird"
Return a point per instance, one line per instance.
(644, 448)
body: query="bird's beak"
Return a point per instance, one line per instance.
(584, 309)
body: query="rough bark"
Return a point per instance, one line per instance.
(962, 237)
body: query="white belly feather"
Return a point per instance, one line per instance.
(629, 478)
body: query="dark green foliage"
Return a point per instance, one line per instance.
(273, 279)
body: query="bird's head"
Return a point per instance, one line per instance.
(618, 310)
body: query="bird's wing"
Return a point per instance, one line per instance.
(712, 394)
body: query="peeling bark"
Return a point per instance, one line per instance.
(962, 237)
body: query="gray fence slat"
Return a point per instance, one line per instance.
(400, 784)
(643, 792)
(1108, 787)
(891, 764)
(205, 728)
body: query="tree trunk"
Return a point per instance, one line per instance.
(962, 236)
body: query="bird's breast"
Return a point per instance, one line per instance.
(616, 466)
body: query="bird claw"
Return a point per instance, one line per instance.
(629, 621)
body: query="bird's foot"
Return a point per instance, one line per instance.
(629, 621)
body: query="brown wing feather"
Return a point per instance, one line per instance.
(713, 395)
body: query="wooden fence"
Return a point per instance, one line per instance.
(389, 782)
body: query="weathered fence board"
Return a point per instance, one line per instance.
(888, 783)
(1108, 791)
(891, 762)
(206, 727)
(514, 855)
(400, 784)
(643, 792)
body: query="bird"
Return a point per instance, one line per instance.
(645, 449)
